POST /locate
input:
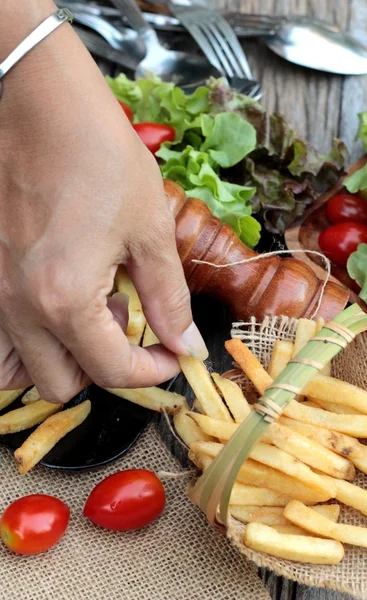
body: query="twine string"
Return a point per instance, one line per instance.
(276, 253)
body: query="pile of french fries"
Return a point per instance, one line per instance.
(289, 491)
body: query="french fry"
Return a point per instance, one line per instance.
(137, 320)
(301, 548)
(329, 389)
(320, 323)
(318, 524)
(274, 515)
(349, 494)
(305, 331)
(309, 452)
(9, 396)
(46, 436)
(282, 461)
(233, 397)
(31, 396)
(354, 425)
(149, 337)
(203, 388)
(197, 406)
(297, 445)
(281, 355)
(340, 409)
(361, 461)
(269, 515)
(290, 529)
(187, 429)
(309, 403)
(259, 475)
(27, 416)
(153, 398)
(248, 495)
(249, 364)
(337, 442)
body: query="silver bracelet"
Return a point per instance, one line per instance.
(43, 30)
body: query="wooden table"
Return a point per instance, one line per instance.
(321, 107)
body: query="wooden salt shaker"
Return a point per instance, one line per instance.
(270, 286)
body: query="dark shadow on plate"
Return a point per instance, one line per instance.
(109, 431)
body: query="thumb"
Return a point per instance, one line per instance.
(160, 282)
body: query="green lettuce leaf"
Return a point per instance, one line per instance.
(228, 138)
(357, 269)
(362, 130)
(357, 181)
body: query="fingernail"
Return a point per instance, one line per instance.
(122, 297)
(194, 343)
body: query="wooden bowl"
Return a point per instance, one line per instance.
(304, 235)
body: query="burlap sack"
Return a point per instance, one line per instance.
(178, 558)
(350, 365)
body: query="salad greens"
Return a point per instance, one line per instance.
(357, 269)
(358, 181)
(232, 154)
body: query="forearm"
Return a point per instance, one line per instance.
(18, 18)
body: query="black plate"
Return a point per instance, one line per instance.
(109, 431)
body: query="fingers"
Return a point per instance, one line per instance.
(101, 348)
(160, 282)
(13, 374)
(55, 372)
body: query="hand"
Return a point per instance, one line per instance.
(79, 195)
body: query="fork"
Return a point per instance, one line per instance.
(219, 43)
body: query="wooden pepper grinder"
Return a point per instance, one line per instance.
(270, 286)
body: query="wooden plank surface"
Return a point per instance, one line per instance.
(322, 107)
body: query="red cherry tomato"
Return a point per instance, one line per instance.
(347, 207)
(127, 110)
(340, 240)
(34, 523)
(126, 500)
(154, 134)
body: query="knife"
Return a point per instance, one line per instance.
(96, 45)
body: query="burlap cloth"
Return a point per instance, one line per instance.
(178, 558)
(350, 365)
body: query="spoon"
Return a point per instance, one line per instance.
(181, 68)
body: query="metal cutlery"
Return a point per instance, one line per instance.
(96, 45)
(217, 40)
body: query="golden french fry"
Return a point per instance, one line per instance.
(361, 461)
(305, 331)
(310, 403)
(301, 548)
(137, 320)
(9, 396)
(233, 397)
(297, 445)
(249, 364)
(31, 396)
(273, 515)
(340, 409)
(153, 398)
(329, 389)
(281, 355)
(188, 431)
(149, 337)
(349, 494)
(197, 406)
(354, 425)
(223, 430)
(27, 416)
(337, 442)
(46, 436)
(282, 461)
(260, 475)
(269, 515)
(248, 495)
(309, 519)
(290, 529)
(203, 387)
(309, 452)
